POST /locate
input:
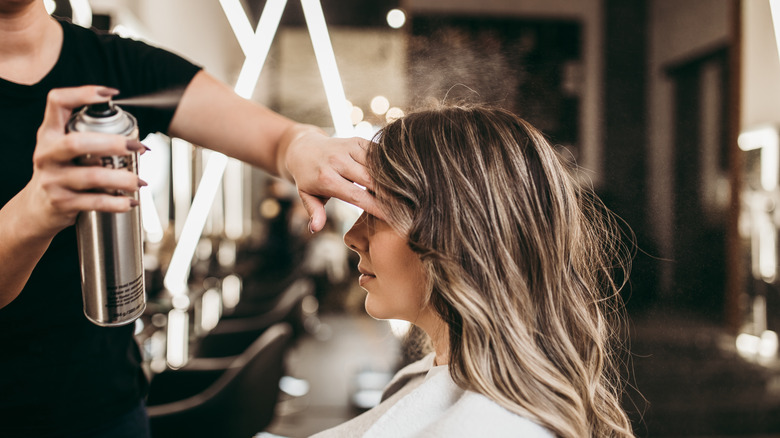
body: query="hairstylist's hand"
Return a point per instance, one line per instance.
(324, 167)
(59, 189)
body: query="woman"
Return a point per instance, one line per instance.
(490, 245)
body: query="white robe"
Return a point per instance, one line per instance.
(425, 402)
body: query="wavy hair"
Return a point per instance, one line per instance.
(525, 264)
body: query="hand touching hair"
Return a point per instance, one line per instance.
(520, 260)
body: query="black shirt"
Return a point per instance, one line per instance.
(59, 373)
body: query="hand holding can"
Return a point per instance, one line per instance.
(110, 243)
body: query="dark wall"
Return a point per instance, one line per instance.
(624, 187)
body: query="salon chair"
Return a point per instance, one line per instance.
(221, 397)
(232, 335)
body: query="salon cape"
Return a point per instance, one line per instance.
(423, 401)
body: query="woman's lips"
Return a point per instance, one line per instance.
(365, 278)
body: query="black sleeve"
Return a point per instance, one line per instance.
(141, 69)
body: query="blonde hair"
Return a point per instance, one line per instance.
(520, 259)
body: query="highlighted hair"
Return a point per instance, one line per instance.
(525, 264)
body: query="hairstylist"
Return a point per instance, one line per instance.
(60, 375)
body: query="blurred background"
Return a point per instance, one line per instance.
(671, 107)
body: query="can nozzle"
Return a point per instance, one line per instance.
(102, 109)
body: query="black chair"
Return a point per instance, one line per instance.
(221, 397)
(231, 336)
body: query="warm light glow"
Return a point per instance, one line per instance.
(211, 309)
(765, 138)
(774, 7)
(396, 18)
(180, 302)
(380, 105)
(227, 252)
(365, 130)
(356, 115)
(294, 387)
(326, 60)
(179, 268)
(242, 29)
(154, 168)
(764, 346)
(181, 170)
(254, 45)
(157, 350)
(149, 218)
(234, 199)
(768, 344)
(82, 12)
(747, 345)
(139, 327)
(270, 208)
(231, 291)
(50, 6)
(178, 338)
(399, 327)
(767, 248)
(393, 114)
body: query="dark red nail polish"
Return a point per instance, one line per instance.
(107, 92)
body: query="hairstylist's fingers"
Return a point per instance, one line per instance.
(95, 201)
(315, 206)
(61, 102)
(356, 172)
(363, 199)
(97, 177)
(76, 144)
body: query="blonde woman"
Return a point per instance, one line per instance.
(491, 247)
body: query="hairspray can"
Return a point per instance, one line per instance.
(110, 245)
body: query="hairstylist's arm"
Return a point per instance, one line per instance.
(59, 190)
(210, 114)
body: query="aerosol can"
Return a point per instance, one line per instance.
(110, 244)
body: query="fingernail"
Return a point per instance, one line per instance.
(136, 146)
(142, 183)
(107, 92)
(311, 230)
(133, 203)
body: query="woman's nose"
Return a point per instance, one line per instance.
(355, 238)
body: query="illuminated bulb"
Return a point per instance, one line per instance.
(768, 344)
(204, 249)
(270, 208)
(180, 302)
(394, 114)
(231, 291)
(356, 115)
(211, 305)
(226, 254)
(50, 6)
(747, 344)
(177, 339)
(149, 218)
(380, 105)
(139, 326)
(364, 130)
(82, 12)
(396, 18)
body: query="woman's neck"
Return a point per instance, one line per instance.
(438, 332)
(30, 43)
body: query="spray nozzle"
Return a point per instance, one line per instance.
(102, 109)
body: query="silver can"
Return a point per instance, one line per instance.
(110, 244)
